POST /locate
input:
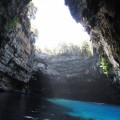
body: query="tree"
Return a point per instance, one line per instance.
(86, 49)
(31, 10)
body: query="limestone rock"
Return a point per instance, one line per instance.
(101, 20)
(16, 48)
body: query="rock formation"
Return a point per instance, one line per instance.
(16, 48)
(101, 19)
(17, 56)
(75, 77)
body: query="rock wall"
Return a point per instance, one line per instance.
(14, 55)
(16, 47)
(101, 19)
(75, 77)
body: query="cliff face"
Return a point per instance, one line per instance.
(16, 48)
(101, 19)
(75, 77)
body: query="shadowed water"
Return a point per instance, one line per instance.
(32, 107)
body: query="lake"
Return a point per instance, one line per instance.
(16, 106)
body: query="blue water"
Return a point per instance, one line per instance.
(87, 110)
(17, 106)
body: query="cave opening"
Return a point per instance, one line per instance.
(56, 28)
(58, 77)
(72, 72)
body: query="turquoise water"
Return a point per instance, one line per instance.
(87, 110)
(17, 106)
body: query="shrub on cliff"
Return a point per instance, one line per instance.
(105, 65)
(12, 23)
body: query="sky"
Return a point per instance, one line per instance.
(56, 25)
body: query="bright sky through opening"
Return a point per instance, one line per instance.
(55, 25)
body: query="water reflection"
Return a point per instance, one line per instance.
(32, 107)
(89, 111)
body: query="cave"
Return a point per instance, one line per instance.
(74, 83)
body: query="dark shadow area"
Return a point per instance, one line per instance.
(38, 83)
(77, 78)
(31, 106)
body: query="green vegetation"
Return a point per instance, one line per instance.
(12, 23)
(15, 17)
(83, 50)
(31, 10)
(86, 49)
(14, 12)
(105, 65)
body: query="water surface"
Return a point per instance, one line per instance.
(89, 111)
(33, 107)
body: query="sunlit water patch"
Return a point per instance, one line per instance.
(89, 111)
